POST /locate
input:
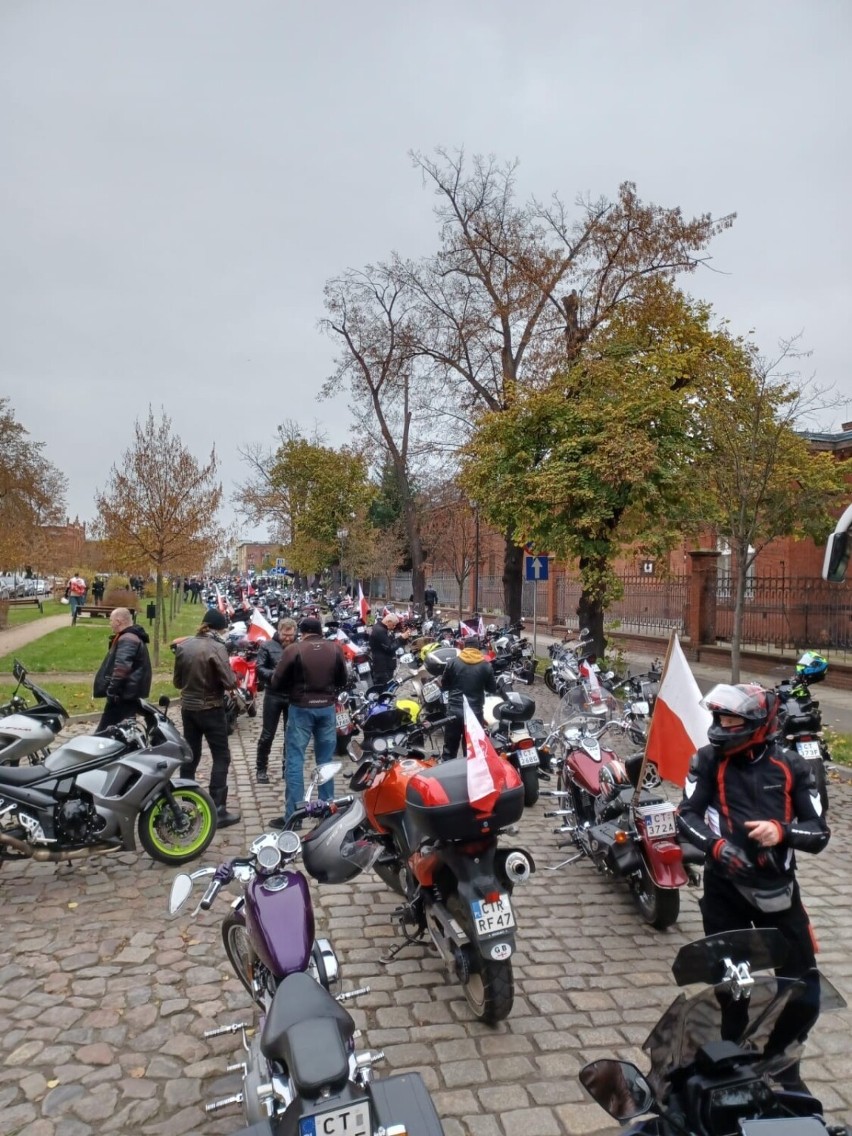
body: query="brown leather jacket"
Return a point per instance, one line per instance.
(203, 672)
(311, 672)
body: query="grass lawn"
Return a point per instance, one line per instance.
(76, 697)
(81, 648)
(840, 746)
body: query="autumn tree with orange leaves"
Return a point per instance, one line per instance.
(159, 508)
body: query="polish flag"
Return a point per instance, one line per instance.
(482, 791)
(590, 677)
(363, 606)
(679, 722)
(259, 627)
(466, 631)
(480, 631)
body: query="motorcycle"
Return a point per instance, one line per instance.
(507, 718)
(705, 1086)
(800, 718)
(26, 730)
(441, 855)
(90, 792)
(627, 830)
(244, 666)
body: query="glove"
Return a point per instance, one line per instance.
(733, 860)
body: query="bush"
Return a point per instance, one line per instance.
(121, 597)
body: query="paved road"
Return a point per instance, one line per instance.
(103, 1002)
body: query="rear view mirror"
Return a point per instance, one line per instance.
(180, 893)
(326, 771)
(838, 550)
(618, 1087)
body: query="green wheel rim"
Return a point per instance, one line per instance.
(196, 837)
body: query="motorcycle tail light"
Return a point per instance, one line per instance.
(492, 897)
(525, 743)
(668, 851)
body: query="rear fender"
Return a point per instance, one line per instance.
(474, 878)
(664, 861)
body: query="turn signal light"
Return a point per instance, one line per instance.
(621, 837)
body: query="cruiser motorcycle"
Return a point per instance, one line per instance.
(627, 832)
(702, 1085)
(300, 1071)
(92, 792)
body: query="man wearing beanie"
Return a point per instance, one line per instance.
(311, 673)
(202, 675)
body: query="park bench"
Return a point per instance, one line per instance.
(94, 611)
(25, 601)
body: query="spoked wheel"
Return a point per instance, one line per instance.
(239, 950)
(176, 840)
(489, 986)
(658, 906)
(549, 680)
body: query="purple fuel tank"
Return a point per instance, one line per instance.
(280, 921)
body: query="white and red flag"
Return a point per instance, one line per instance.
(590, 677)
(363, 606)
(480, 631)
(259, 627)
(482, 791)
(465, 630)
(679, 722)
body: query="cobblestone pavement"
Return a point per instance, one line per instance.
(103, 1002)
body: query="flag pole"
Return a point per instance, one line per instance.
(637, 791)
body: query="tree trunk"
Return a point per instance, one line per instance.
(590, 612)
(157, 617)
(741, 581)
(415, 547)
(461, 584)
(513, 581)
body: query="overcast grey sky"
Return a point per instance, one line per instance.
(180, 177)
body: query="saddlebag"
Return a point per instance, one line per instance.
(404, 1100)
(437, 806)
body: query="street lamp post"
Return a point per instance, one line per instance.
(342, 534)
(475, 506)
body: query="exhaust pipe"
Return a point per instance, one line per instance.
(518, 868)
(45, 855)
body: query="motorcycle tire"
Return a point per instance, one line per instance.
(341, 745)
(529, 776)
(238, 948)
(549, 680)
(159, 836)
(489, 990)
(252, 710)
(658, 906)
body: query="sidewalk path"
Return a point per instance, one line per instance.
(13, 638)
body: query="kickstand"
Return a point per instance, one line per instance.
(562, 863)
(390, 955)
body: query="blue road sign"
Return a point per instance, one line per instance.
(536, 567)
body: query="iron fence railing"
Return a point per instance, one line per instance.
(781, 612)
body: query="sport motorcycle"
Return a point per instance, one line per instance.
(28, 728)
(705, 1086)
(440, 853)
(92, 792)
(628, 831)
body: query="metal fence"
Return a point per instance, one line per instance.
(783, 612)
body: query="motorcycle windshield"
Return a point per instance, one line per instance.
(690, 1023)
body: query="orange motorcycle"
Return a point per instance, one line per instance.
(412, 820)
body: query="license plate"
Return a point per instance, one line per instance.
(363, 668)
(353, 1120)
(492, 918)
(659, 820)
(527, 652)
(343, 720)
(527, 757)
(810, 750)
(431, 692)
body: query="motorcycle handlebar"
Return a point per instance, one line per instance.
(213, 889)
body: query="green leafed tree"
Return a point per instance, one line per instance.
(307, 492)
(159, 508)
(603, 458)
(762, 476)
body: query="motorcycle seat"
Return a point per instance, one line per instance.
(310, 1033)
(23, 775)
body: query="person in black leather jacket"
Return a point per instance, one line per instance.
(125, 674)
(274, 701)
(383, 647)
(750, 804)
(469, 675)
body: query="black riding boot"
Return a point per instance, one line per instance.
(223, 817)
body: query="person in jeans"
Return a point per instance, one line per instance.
(275, 705)
(310, 674)
(76, 595)
(202, 675)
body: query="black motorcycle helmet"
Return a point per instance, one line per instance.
(758, 709)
